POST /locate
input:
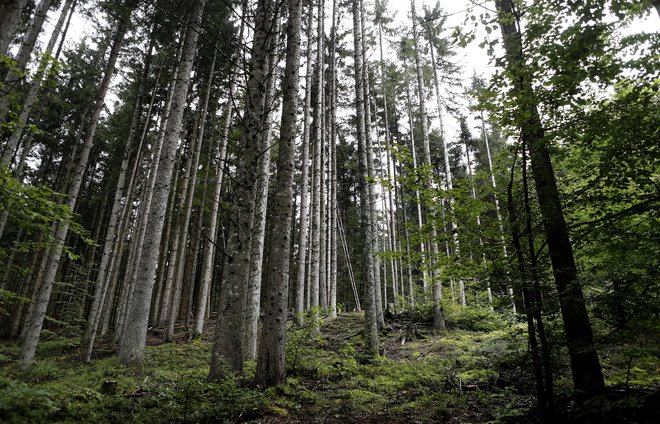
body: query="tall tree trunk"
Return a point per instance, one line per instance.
(124, 219)
(304, 197)
(418, 198)
(131, 347)
(190, 184)
(438, 316)
(33, 330)
(142, 220)
(227, 352)
(332, 228)
(524, 280)
(534, 304)
(392, 228)
(253, 299)
(31, 97)
(473, 193)
(368, 137)
(317, 130)
(493, 183)
(211, 238)
(585, 365)
(15, 75)
(109, 246)
(271, 369)
(10, 16)
(370, 318)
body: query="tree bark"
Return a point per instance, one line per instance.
(131, 347)
(271, 369)
(438, 316)
(211, 238)
(418, 199)
(227, 355)
(10, 16)
(253, 299)
(317, 130)
(31, 97)
(370, 318)
(368, 137)
(332, 228)
(585, 365)
(109, 246)
(33, 329)
(304, 198)
(190, 184)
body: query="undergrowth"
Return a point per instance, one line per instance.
(479, 371)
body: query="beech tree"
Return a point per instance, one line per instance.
(585, 365)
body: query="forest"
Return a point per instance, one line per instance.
(329, 211)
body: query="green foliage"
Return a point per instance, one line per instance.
(466, 376)
(302, 345)
(171, 386)
(20, 403)
(9, 298)
(35, 210)
(475, 318)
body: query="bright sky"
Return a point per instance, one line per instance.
(471, 59)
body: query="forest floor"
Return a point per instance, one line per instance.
(477, 372)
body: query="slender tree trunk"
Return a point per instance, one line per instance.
(227, 352)
(349, 264)
(111, 238)
(438, 316)
(124, 219)
(31, 97)
(10, 16)
(332, 228)
(473, 193)
(497, 203)
(418, 199)
(211, 238)
(370, 172)
(271, 369)
(388, 139)
(253, 300)
(370, 314)
(33, 330)
(317, 130)
(303, 235)
(148, 192)
(524, 280)
(131, 347)
(585, 365)
(533, 304)
(16, 73)
(187, 206)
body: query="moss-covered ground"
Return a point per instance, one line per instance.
(476, 372)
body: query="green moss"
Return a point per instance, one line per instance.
(363, 400)
(425, 380)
